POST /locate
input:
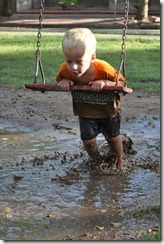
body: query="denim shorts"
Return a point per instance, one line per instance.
(91, 128)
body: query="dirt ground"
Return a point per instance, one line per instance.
(50, 112)
(39, 111)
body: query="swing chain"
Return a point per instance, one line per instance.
(38, 53)
(40, 26)
(123, 53)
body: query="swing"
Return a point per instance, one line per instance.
(48, 87)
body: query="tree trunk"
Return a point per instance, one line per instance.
(142, 10)
(32, 4)
(9, 7)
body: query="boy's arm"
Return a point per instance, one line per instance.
(65, 84)
(63, 78)
(112, 83)
(98, 85)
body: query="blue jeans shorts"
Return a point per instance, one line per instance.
(91, 128)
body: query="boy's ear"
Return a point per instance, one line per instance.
(93, 57)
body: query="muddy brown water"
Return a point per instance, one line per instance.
(48, 194)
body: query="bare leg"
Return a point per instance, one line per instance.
(92, 149)
(90, 146)
(117, 147)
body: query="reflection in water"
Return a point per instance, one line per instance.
(104, 190)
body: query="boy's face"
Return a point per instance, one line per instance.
(78, 60)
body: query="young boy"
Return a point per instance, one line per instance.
(98, 111)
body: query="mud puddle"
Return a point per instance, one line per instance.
(48, 194)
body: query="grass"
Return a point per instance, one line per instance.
(150, 236)
(17, 55)
(149, 213)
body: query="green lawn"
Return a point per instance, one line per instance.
(17, 55)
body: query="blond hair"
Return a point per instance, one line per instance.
(79, 37)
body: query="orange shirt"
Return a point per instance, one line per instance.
(88, 104)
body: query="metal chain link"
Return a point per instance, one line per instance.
(38, 53)
(123, 53)
(40, 26)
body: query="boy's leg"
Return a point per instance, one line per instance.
(89, 128)
(92, 149)
(117, 147)
(111, 131)
(90, 146)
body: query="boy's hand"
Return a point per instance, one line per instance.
(65, 84)
(97, 85)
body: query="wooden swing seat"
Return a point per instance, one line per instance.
(48, 87)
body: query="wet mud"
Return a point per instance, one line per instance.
(48, 193)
